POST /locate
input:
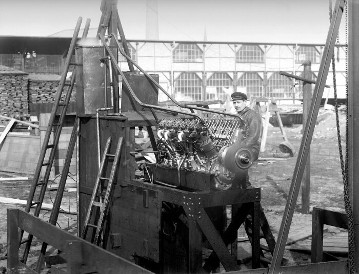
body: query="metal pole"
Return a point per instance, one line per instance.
(353, 116)
(307, 97)
(308, 134)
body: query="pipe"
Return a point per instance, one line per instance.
(165, 92)
(124, 79)
(98, 134)
(299, 78)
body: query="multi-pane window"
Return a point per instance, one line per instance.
(215, 85)
(280, 86)
(187, 53)
(249, 54)
(253, 84)
(132, 51)
(304, 53)
(188, 86)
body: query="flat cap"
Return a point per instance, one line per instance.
(238, 96)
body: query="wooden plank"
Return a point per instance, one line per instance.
(14, 179)
(256, 250)
(228, 261)
(20, 122)
(95, 256)
(326, 248)
(339, 267)
(8, 128)
(74, 257)
(13, 239)
(317, 236)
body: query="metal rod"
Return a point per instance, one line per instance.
(307, 137)
(299, 78)
(124, 79)
(168, 95)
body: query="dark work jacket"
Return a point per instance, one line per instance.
(252, 129)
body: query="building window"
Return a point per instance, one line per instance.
(252, 83)
(307, 54)
(215, 85)
(188, 86)
(249, 54)
(280, 86)
(132, 50)
(187, 53)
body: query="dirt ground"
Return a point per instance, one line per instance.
(272, 174)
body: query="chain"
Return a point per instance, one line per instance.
(344, 163)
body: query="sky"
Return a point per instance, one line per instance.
(266, 21)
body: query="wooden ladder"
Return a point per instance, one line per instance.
(102, 193)
(44, 165)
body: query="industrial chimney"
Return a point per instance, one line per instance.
(152, 20)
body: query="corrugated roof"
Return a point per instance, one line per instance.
(8, 70)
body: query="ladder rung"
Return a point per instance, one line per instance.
(35, 203)
(104, 178)
(46, 164)
(99, 204)
(91, 225)
(110, 155)
(67, 84)
(40, 184)
(24, 241)
(50, 146)
(75, 64)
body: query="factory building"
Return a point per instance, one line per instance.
(192, 70)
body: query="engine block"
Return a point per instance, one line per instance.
(193, 143)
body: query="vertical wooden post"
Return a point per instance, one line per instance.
(194, 246)
(353, 127)
(256, 235)
(13, 240)
(307, 97)
(317, 236)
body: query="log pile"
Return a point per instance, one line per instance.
(18, 90)
(43, 91)
(14, 94)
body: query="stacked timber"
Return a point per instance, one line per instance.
(13, 93)
(42, 89)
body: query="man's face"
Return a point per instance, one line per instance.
(239, 105)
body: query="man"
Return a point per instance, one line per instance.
(251, 130)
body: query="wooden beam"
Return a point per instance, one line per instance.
(20, 122)
(228, 261)
(96, 257)
(8, 128)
